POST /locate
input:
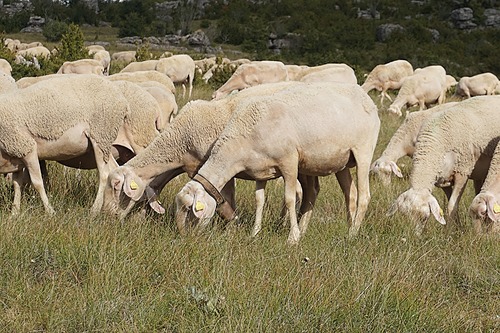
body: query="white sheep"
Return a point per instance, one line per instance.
(180, 69)
(480, 84)
(387, 76)
(25, 46)
(453, 146)
(72, 114)
(182, 147)
(252, 74)
(343, 74)
(147, 65)
(427, 85)
(95, 48)
(7, 84)
(450, 82)
(82, 66)
(402, 143)
(278, 135)
(485, 208)
(27, 81)
(37, 51)
(294, 72)
(105, 59)
(145, 76)
(124, 56)
(5, 67)
(166, 101)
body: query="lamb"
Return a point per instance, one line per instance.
(5, 67)
(403, 142)
(181, 147)
(145, 76)
(427, 85)
(252, 74)
(82, 66)
(485, 209)
(453, 146)
(63, 127)
(180, 69)
(480, 84)
(147, 65)
(105, 59)
(124, 56)
(387, 76)
(271, 136)
(136, 131)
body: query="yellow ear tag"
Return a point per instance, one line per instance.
(398, 168)
(496, 208)
(441, 212)
(133, 185)
(199, 206)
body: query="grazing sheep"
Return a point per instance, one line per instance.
(147, 65)
(450, 82)
(166, 101)
(453, 146)
(252, 74)
(25, 46)
(344, 74)
(145, 76)
(278, 135)
(427, 85)
(73, 115)
(5, 67)
(485, 208)
(82, 66)
(480, 84)
(95, 48)
(124, 56)
(387, 76)
(402, 143)
(180, 69)
(182, 147)
(37, 51)
(104, 58)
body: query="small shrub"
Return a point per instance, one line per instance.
(54, 30)
(72, 44)
(143, 53)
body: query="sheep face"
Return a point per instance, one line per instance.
(395, 109)
(419, 204)
(384, 170)
(194, 207)
(485, 210)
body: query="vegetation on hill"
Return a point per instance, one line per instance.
(325, 31)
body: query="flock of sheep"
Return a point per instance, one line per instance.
(268, 120)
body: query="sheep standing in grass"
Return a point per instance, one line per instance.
(313, 129)
(402, 143)
(480, 84)
(82, 66)
(485, 208)
(387, 76)
(252, 74)
(427, 85)
(104, 58)
(453, 146)
(124, 56)
(71, 116)
(180, 69)
(182, 147)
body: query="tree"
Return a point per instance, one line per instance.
(72, 44)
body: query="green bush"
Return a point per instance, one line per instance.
(72, 44)
(143, 53)
(54, 30)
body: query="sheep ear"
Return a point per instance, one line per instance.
(202, 206)
(153, 200)
(395, 169)
(436, 211)
(493, 210)
(116, 183)
(133, 188)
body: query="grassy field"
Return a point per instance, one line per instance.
(75, 273)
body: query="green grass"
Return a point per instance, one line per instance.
(75, 273)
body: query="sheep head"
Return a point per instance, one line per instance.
(124, 188)
(485, 208)
(194, 207)
(384, 169)
(420, 204)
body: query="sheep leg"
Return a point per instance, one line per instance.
(298, 201)
(33, 166)
(18, 182)
(350, 193)
(456, 194)
(103, 169)
(290, 175)
(311, 190)
(362, 170)
(260, 198)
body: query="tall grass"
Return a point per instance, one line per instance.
(76, 273)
